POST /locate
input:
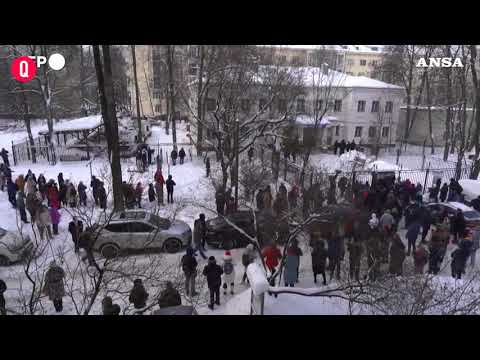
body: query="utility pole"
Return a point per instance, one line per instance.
(139, 122)
(237, 155)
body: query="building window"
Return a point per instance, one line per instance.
(350, 62)
(300, 105)
(375, 105)
(338, 106)
(193, 69)
(319, 104)
(158, 108)
(282, 105)
(361, 106)
(389, 106)
(337, 130)
(385, 131)
(245, 105)
(210, 104)
(194, 50)
(374, 63)
(358, 131)
(363, 62)
(261, 104)
(372, 131)
(282, 59)
(295, 60)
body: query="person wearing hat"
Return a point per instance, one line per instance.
(169, 297)
(214, 273)
(199, 233)
(228, 272)
(170, 184)
(54, 287)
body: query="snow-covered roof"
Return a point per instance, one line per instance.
(314, 77)
(308, 120)
(339, 48)
(84, 123)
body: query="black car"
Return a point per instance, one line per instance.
(222, 235)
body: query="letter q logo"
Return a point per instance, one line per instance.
(23, 69)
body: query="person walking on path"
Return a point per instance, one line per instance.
(151, 194)
(272, 255)
(174, 156)
(55, 217)
(44, 221)
(475, 246)
(412, 234)
(20, 200)
(443, 192)
(170, 184)
(75, 228)
(292, 264)
(189, 267)
(459, 226)
(54, 287)
(82, 193)
(355, 250)
(138, 194)
(248, 257)
(181, 155)
(397, 255)
(213, 273)
(159, 182)
(459, 258)
(169, 297)
(207, 166)
(228, 273)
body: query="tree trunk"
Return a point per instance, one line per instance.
(429, 104)
(105, 86)
(83, 105)
(200, 103)
(476, 86)
(171, 88)
(137, 95)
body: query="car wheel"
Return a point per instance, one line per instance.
(4, 261)
(227, 244)
(109, 251)
(172, 246)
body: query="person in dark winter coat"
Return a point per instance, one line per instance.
(151, 193)
(181, 155)
(85, 242)
(174, 156)
(60, 179)
(259, 199)
(397, 255)
(319, 260)
(54, 287)
(62, 194)
(214, 273)
(412, 234)
(20, 201)
(342, 146)
(293, 197)
(169, 297)
(102, 196)
(476, 203)
(355, 250)
(426, 218)
(458, 226)
(12, 192)
(3, 288)
(55, 217)
(336, 252)
(94, 185)
(199, 234)
(292, 264)
(207, 166)
(42, 186)
(220, 201)
(250, 154)
(438, 246)
(82, 193)
(75, 228)
(4, 155)
(138, 295)
(459, 258)
(353, 145)
(109, 308)
(443, 192)
(138, 194)
(189, 267)
(170, 184)
(336, 145)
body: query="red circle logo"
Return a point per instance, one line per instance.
(23, 69)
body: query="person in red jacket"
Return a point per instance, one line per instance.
(272, 255)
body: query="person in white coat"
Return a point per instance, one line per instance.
(228, 272)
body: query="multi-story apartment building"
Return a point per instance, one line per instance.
(357, 60)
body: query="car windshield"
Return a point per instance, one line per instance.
(471, 214)
(159, 222)
(2, 232)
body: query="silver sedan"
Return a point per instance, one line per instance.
(141, 230)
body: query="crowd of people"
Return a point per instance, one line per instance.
(343, 146)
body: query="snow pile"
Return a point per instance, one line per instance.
(306, 120)
(85, 123)
(380, 165)
(258, 279)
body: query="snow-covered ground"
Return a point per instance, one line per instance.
(194, 194)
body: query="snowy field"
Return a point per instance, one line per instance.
(193, 194)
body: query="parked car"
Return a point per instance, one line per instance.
(141, 230)
(13, 248)
(472, 216)
(222, 235)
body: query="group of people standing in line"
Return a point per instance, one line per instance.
(342, 147)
